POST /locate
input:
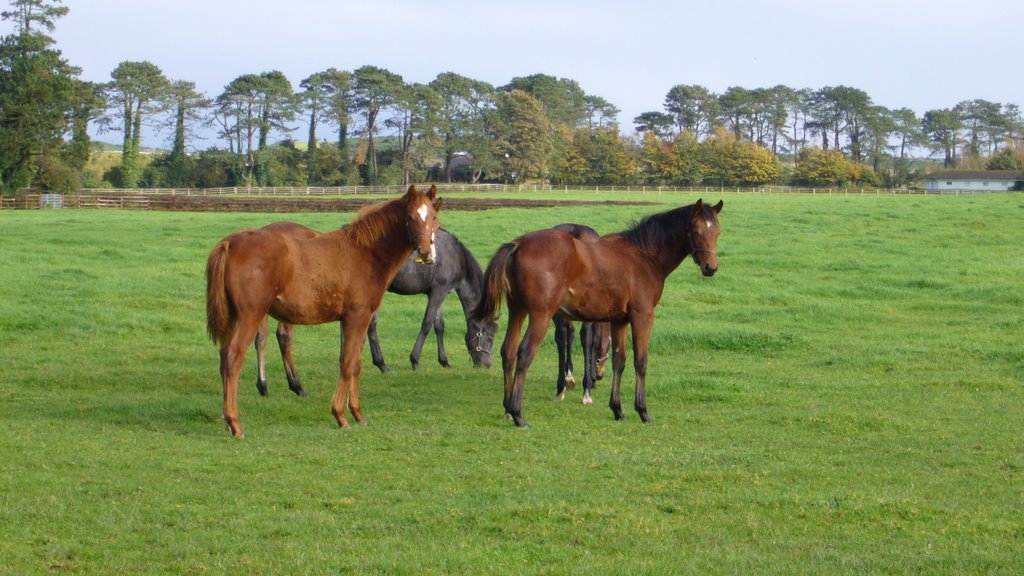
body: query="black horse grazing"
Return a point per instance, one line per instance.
(454, 268)
(618, 278)
(595, 338)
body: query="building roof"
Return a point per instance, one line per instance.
(976, 175)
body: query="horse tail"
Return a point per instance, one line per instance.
(218, 309)
(496, 283)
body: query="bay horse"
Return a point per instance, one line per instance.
(595, 338)
(618, 278)
(337, 276)
(454, 268)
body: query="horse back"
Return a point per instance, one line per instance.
(596, 279)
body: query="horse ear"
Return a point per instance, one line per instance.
(698, 206)
(432, 193)
(411, 190)
(437, 205)
(717, 207)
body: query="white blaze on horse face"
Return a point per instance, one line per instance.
(423, 211)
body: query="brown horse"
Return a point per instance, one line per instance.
(340, 275)
(617, 278)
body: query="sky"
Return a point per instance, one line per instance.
(919, 54)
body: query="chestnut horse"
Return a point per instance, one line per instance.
(340, 275)
(617, 278)
(454, 269)
(595, 338)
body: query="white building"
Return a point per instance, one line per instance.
(974, 181)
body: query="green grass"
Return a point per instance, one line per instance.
(843, 397)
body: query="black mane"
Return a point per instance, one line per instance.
(657, 230)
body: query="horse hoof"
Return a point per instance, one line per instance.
(300, 391)
(646, 418)
(262, 387)
(560, 396)
(620, 416)
(587, 399)
(570, 382)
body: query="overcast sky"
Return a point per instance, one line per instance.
(921, 54)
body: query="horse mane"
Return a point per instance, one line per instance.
(474, 274)
(372, 222)
(661, 229)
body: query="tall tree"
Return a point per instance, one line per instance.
(563, 99)
(463, 103)
(137, 89)
(325, 99)
(908, 134)
(658, 123)
(600, 112)
(984, 124)
(237, 113)
(30, 15)
(276, 105)
(694, 108)
(41, 98)
(523, 136)
(417, 122)
(187, 107)
(943, 130)
(736, 105)
(836, 110)
(374, 90)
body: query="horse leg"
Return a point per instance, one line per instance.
(562, 326)
(642, 325)
(353, 332)
(261, 365)
(442, 356)
(375, 352)
(535, 333)
(285, 334)
(588, 340)
(508, 357)
(570, 340)
(232, 356)
(434, 302)
(618, 365)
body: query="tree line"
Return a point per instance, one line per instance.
(370, 126)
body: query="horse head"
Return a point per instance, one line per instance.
(480, 342)
(422, 222)
(704, 230)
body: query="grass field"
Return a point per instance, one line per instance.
(844, 396)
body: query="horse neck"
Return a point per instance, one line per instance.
(383, 237)
(672, 248)
(471, 288)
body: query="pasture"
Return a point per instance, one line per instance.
(844, 396)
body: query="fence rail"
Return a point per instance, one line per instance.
(303, 199)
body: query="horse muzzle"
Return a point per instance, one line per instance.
(427, 256)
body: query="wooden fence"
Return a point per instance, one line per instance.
(319, 199)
